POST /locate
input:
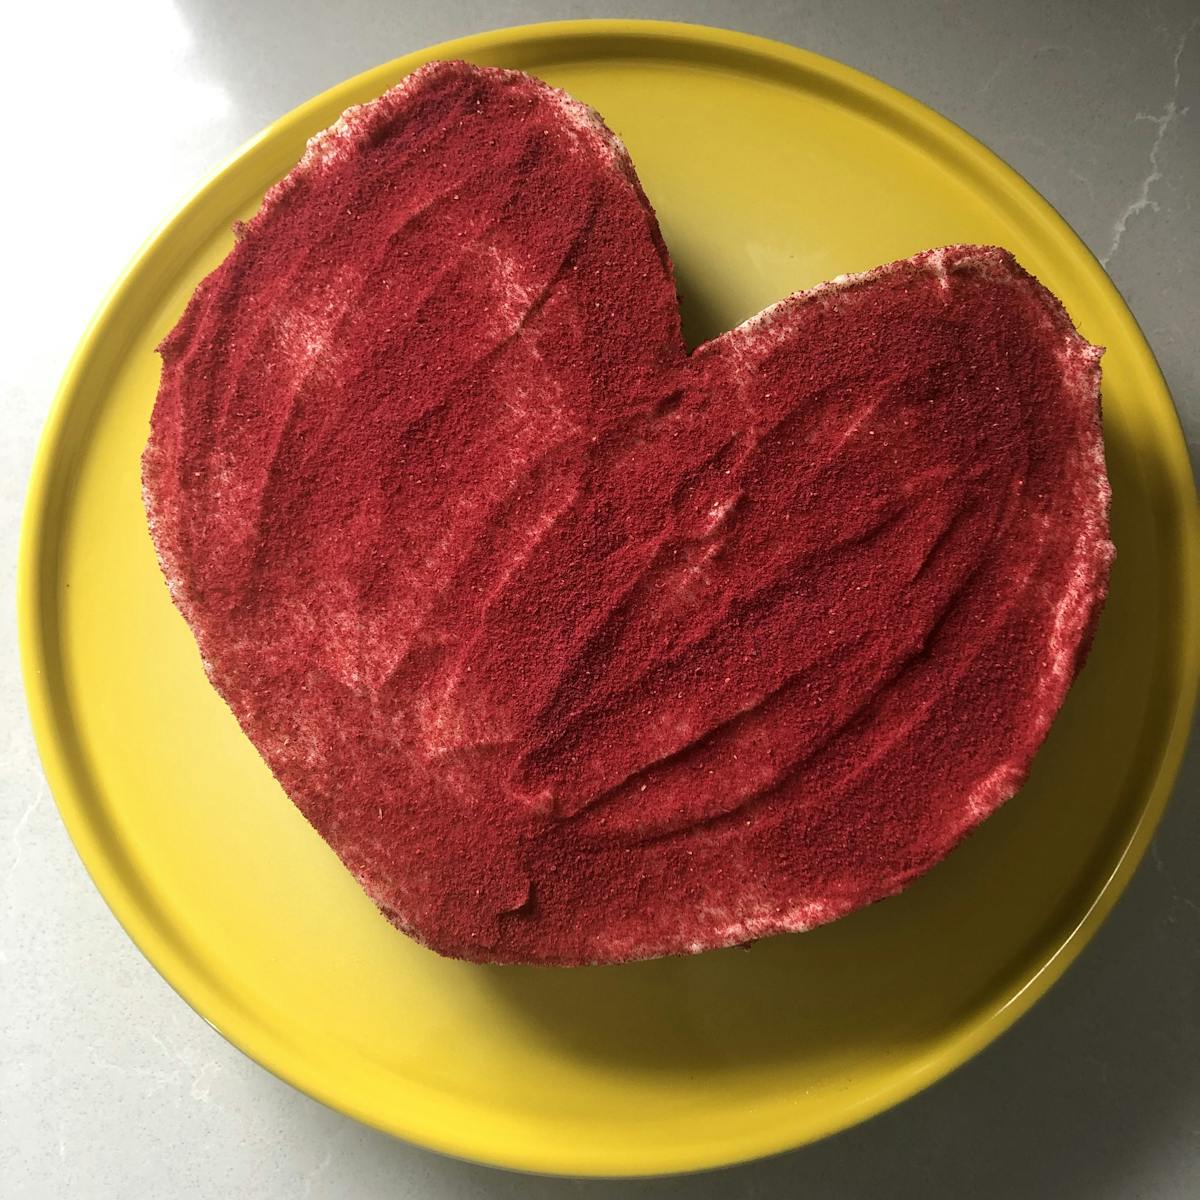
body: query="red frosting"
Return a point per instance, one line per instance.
(576, 646)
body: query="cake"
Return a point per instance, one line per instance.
(577, 646)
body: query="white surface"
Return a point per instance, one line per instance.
(109, 1085)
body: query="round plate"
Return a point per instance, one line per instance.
(767, 167)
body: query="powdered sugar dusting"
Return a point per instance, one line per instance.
(514, 296)
(305, 329)
(589, 125)
(993, 790)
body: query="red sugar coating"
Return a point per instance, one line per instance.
(574, 646)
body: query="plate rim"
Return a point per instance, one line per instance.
(475, 1140)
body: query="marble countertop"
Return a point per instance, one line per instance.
(111, 1085)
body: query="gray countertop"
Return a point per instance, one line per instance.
(111, 1086)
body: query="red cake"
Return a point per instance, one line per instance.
(576, 646)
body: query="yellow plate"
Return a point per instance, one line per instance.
(771, 169)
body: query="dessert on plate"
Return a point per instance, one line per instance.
(580, 647)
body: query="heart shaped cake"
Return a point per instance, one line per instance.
(577, 646)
